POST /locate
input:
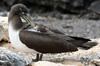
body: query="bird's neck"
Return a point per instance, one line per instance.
(16, 22)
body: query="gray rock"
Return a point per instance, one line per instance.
(96, 62)
(1, 32)
(13, 58)
(95, 6)
(59, 5)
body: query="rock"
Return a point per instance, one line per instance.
(4, 14)
(38, 6)
(1, 32)
(13, 58)
(77, 3)
(9, 2)
(4, 28)
(41, 7)
(96, 62)
(95, 7)
(90, 15)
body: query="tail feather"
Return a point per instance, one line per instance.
(82, 42)
(79, 38)
(89, 45)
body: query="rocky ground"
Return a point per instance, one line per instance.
(74, 26)
(54, 15)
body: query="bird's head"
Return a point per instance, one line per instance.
(19, 10)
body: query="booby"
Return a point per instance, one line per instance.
(36, 41)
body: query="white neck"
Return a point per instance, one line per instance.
(15, 40)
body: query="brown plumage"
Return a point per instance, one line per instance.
(46, 43)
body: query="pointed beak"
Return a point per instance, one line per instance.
(27, 18)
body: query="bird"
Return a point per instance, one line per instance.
(34, 40)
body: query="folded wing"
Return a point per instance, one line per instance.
(46, 43)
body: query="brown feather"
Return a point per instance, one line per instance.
(46, 43)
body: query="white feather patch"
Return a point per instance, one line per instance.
(15, 41)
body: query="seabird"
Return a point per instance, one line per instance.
(37, 41)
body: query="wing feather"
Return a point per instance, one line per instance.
(46, 43)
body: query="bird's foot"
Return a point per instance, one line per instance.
(38, 57)
(35, 60)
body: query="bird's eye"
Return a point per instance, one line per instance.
(23, 12)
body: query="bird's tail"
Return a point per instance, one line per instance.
(89, 45)
(82, 42)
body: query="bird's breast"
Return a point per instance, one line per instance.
(15, 41)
